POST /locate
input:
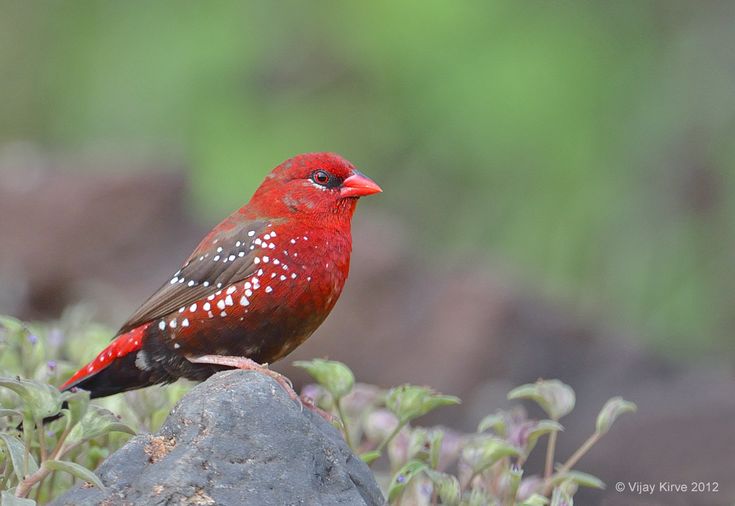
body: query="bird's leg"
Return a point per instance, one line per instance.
(247, 364)
(311, 405)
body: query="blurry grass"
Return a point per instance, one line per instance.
(585, 147)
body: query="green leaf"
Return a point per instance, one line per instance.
(478, 497)
(17, 451)
(10, 412)
(39, 399)
(435, 447)
(483, 452)
(74, 469)
(612, 409)
(496, 422)
(555, 398)
(403, 477)
(370, 457)
(541, 428)
(563, 494)
(579, 478)
(408, 402)
(12, 324)
(447, 487)
(78, 402)
(515, 474)
(535, 500)
(7, 498)
(96, 422)
(334, 376)
(417, 445)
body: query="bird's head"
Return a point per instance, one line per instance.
(313, 184)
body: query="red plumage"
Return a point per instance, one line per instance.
(258, 285)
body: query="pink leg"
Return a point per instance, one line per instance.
(246, 364)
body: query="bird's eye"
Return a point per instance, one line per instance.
(321, 177)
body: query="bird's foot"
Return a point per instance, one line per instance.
(247, 364)
(311, 406)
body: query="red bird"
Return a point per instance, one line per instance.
(257, 286)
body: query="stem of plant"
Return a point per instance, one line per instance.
(27, 440)
(60, 445)
(345, 429)
(42, 440)
(392, 435)
(5, 475)
(550, 449)
(572, 461)
(25, 486)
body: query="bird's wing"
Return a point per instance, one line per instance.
(215, 264)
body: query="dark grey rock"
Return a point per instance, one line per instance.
(237, 439)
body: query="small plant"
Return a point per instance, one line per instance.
(414, 465)
(440, 466)
(31, 453)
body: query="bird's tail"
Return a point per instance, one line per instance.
(114, 369)
(111, 372)
(119, 376)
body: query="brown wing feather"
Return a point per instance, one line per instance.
(206, 271)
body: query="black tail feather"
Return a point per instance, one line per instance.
(120, 376)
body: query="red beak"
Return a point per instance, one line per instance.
(358, 185)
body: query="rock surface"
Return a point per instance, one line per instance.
(236, 439)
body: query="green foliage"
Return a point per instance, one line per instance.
(440, 466)
(412, 463)
(336, 377)
(39, 450)
(40, 461)
(554, 397)
(409, 402)
(611, 411)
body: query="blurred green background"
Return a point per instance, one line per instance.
(584, 147)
